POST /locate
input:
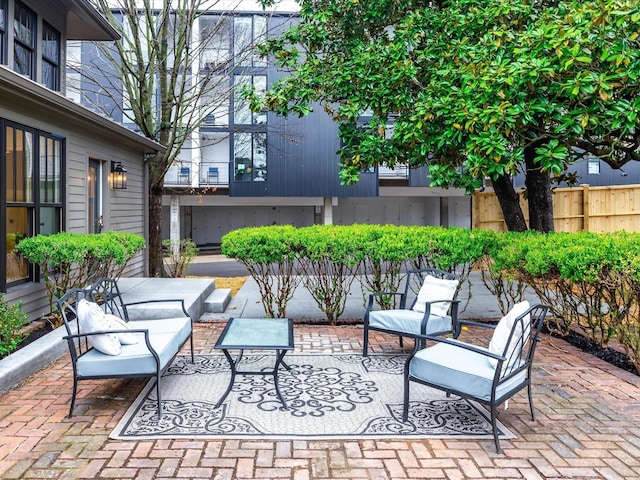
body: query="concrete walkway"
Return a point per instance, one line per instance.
(476, 302)
(587, 427)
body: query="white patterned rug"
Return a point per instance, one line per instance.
(328, 397)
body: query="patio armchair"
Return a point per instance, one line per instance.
(488, 375)
(426, 306)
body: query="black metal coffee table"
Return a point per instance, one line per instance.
(256, 334)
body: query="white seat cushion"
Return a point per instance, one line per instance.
(179, 327)
(408, 321)
(498, 343)
(435, 289)
(134, 359)
(456, 368)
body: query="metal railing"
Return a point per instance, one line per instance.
(204, 174)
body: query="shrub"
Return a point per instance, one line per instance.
(584, 277)
(452, 249)
(12, 320)
(384, 252)
(69, 260)
(329, 256)
(269, 253)
(179, 255)
(497, 271)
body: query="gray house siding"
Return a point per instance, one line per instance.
(86, 136)
(419, 177)
(123, 210)
(628, 175)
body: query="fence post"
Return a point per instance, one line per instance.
(475, 210)
(585, 207)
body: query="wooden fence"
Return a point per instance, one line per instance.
(595, 209)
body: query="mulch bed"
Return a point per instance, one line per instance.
(608, 354)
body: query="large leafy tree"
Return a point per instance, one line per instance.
(472, 88)
(153, 76)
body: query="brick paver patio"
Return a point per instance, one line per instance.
(588, 427)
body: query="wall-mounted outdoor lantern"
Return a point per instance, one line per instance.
(118, 176)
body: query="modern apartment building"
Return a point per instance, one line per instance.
(56, 155)
(246, 169)
(243, 168)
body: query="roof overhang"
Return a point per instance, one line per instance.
(25, 95)
(84, 22)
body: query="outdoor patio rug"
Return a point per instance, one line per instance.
(329, 397)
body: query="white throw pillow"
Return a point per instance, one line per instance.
(91, 318)
(116, 323)
(436, 289)
(502, 331)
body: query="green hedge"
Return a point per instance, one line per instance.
(590, 281)
(330, 257)
(69, 260)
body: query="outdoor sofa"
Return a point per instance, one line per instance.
(105, 343)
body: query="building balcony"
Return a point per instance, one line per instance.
(194, 175)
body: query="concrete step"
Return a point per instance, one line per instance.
(218, 300)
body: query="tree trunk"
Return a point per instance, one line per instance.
(539, 194)
(510, 204)
(156, 265)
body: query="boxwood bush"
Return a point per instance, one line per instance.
(68, 260)
(590, 281)
(330, 257)
(269, 253)
(12, 321)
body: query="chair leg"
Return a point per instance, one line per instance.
(365, 342)
(405, 404)
(73, 396)
(158, 396)
(192, 358)
(533, 412)
(495, 429)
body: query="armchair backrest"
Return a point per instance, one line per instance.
(415, 279)
(522, 339)
(106, 293)
(68, 308)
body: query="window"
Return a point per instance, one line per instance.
(73, 76)
(594, 167)
(242, 113)
(215, 38)
(24, 41)
(250, 157)
(247, 32)
(33, 199)
(50, 57)
(3, 32)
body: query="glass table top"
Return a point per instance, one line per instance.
(259, 333)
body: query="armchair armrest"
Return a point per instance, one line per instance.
(102, 332)
(456, 343)
(455, 324)
(79, 336)
(373, 295)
